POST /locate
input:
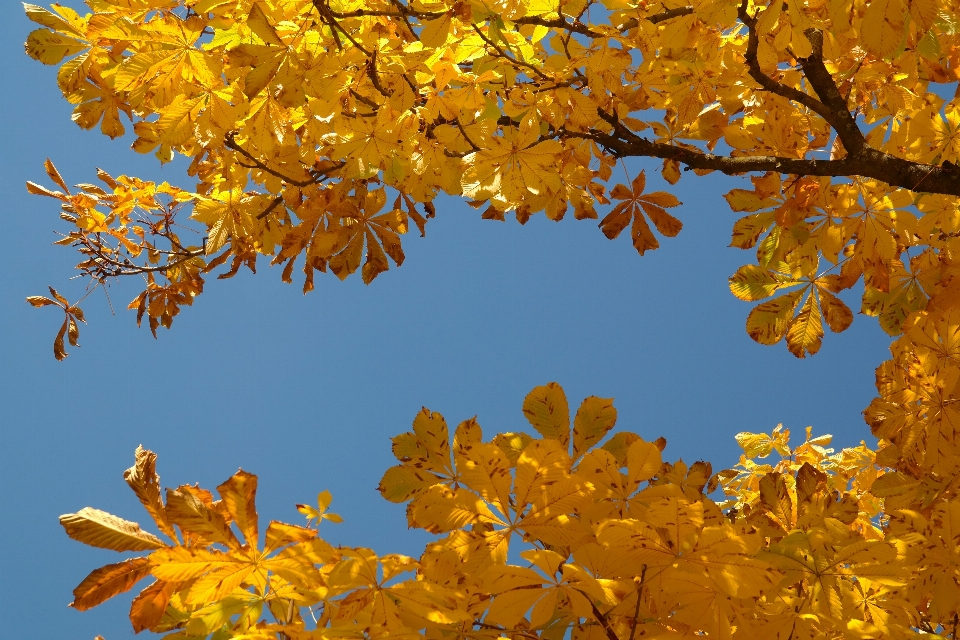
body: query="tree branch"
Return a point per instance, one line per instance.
(130, 269)
(330, 19)
(231, 143)
(465, 136)
(374, 76)
(861, 159)
(838, 114)
(602, 619)
(270, 207)
(870, 163)
(831, 106)
(765, 81)
(636, 611)
(663, 16)
(503, 55)
(560, 23)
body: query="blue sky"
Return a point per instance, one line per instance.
(306, 391)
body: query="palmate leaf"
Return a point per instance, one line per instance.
(634, 203)
(665, 554)
(771, 321)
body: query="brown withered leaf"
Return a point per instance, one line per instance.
(147, 609)
(634, 203)
(107, 581)
(143, 479)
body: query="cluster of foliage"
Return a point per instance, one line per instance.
(536, 537)
(304, 118)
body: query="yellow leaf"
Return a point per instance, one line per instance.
(100, 529)
(194, 513)
(752, 283)
(547, 411)
(50, 48)
(147, 609)
(485, 468)
(512, 444)
(218, 582)
(767, 322)
(41, 16)
(542, 463)
(806, 330)
(434, 33)
(38, 190)
(882, 27)
(260, 25)
(402, 482)
(595, 417)
(239, 494)
(835, 312)
(179, 564)
(643, 461)
(280, 534)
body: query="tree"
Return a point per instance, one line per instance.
(305, 118)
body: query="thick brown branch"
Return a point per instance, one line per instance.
(838, 114)
(374, 76)
(406, 18)
(870, 163)
(663, 16)
(765, 81)
(466, 137)
(560, 23)
(670, 14)
(367, 101)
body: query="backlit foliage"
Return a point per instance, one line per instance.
(319, 131)
(578, 530)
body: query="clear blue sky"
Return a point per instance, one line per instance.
(306, 391)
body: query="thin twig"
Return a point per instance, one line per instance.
(231, 143)
(273, 205)
(603, 622)
(510, 59)
(636, 611)
(465, 136)
(133, 269)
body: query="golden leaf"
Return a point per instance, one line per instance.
(100, 529)
(547, 411)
